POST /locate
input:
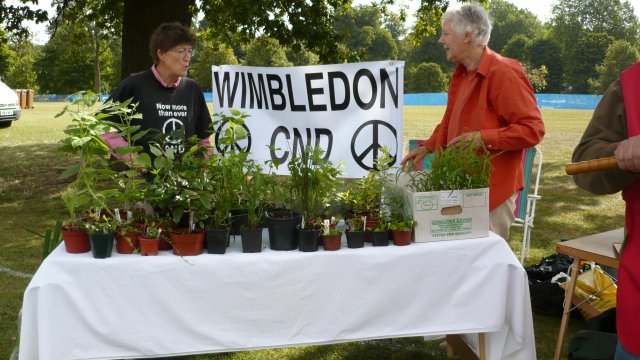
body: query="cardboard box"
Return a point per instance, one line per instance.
(450, 214)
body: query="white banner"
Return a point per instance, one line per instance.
(350, 110)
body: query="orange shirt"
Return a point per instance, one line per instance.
(497, 100)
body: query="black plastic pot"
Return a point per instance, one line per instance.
(282, 229)
(217, 240)
(101, 245)
(308, 239)
(355, 239)
(251, 240)
(380, 238)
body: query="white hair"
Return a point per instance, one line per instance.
(471, 18)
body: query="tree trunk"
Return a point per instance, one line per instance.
(96, 65)
(139, 19)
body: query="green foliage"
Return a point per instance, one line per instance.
(510, 21)
(88, 123)
(426, 77)
(365, 196)
(264, 51)
(537, 77)
(516, 47)
(210, 52)
(545, 51)
(587, 53)
(312, 183)
(620, 55)
(20, 72)
(366, 33)
(309, 23)
(454, 168)
(50, 239)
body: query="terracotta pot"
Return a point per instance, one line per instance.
(187, 244)
(331, 243)
(149, 246)
(126, 243)
(401, 238)
(76, 241)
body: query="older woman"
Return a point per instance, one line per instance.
(490, 103)
(168, 100)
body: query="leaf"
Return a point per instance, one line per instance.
(70, 171)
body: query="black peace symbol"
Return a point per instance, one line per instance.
(237, 145)
(375, 146)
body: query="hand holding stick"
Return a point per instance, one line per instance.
(608, 163)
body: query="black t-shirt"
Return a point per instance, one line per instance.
(166, 109)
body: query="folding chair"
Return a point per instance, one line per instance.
(525, 210)
(426, 162)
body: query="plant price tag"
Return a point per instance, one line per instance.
(449, 198)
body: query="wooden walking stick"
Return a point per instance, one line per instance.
(607, 163)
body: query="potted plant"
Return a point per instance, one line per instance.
(355, 232)
(254, 191)
(366, 194)
(312, 184)
(101, 231)
(91, 185)
(150, 238)
(401, 222)
(458, 181)
(181, 189)
(331, 236)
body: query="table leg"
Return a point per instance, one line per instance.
(568, 295)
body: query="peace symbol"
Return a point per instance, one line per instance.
(169, 127)
(243, 145)
(375, 146)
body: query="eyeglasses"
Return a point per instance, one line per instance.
(183, 52)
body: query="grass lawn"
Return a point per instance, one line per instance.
(29, 198)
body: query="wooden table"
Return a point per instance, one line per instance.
(597, 248)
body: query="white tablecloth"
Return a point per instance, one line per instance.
(77, 307)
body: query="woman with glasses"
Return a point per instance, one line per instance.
(167, 99)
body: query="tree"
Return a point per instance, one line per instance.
(588, 52)
(516, 48)
(13, 16)
(265, 51)
(382, 46)
(366, 36)
(20, 74)
(620, 55)
(426, 77)
(546, 52)
(210, 53)
(302, 57)
(537, 76)
(6, 54)
(508, 21)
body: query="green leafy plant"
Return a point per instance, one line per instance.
(454, 168)
(182, 181)
(312, 183)
(92, 175)
(398, 209)
(365, 196)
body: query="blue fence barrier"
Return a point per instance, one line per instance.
(545, 101)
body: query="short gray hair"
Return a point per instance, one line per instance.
(471, 18)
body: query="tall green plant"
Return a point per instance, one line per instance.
(454, 168)
(312, 183)
(88, 123)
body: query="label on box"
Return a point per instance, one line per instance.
(475, 199)
(449, 198)
(451, 227)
